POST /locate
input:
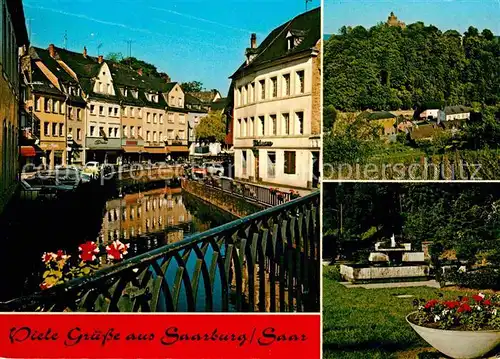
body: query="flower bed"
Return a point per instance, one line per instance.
(476, 313)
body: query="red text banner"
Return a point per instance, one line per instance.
(159, 336)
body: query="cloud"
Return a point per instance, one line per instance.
(85, 17)
(110, 23)
(202, 19)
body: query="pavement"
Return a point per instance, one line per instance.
(302, 192)
(427, 283)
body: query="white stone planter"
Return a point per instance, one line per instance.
(459, 344)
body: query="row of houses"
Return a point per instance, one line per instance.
(448, 117)
(82, 108)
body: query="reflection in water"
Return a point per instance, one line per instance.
(137, 214)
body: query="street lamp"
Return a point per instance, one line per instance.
(69, 140)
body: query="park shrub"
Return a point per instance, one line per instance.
(485, 278)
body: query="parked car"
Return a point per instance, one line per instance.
(198, 171)
(215, 169)
(93, 168)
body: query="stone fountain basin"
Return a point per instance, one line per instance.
(353, 274)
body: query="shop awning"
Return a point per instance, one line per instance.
(133, 149)
(177, 149)
(27, 151)
(157, 150)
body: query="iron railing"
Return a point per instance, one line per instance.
(250, 192)
(268, 261)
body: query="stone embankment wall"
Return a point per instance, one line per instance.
(237, 206)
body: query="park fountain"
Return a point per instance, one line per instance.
(388, 263)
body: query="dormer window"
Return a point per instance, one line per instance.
(294, 38)
(135, 94)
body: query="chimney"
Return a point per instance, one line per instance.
(85, 51)
(52, 50)
(100, 59)
(139, 71)
(253, 41)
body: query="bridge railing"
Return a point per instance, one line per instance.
(248, 191)
(268, 262)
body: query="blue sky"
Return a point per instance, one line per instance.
(444, 14)
(188, 39)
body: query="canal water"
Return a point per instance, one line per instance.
(146, 218)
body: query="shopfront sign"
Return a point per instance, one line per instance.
(103, 143)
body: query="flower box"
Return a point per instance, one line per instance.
(465, 328)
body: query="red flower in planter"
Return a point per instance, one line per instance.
(431, 303)
(89, 250)
(452, 304)
(464, 308)
(465, 299)
(487, 302)
(117, 250)
(478, 298)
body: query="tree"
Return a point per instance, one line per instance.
(329, 117)
(387, 68)
(136, 64)
(212, 127)
(115, 56)
(192, 86)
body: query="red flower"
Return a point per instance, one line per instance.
(477, 298)
(88, 249)
(60, 254)
(45, 286)
(487, 302)
(87, 256)
(117, 250)
(464, 308)
(465, 299)
(47, 257)
(452, 304)
(431, 303)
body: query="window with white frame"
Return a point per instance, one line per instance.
(286, 85)
(300, 82)
(299, 123)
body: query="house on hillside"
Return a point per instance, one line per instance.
(277, 96)
(450, 113)
(384, 119)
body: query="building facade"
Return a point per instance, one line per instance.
(13, 43)
(277, 96)
(111, 113)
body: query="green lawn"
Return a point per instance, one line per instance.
(370, 323)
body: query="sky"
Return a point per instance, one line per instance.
(190, 40)
(444, 14)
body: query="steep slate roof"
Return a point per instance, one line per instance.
(41, 83)
(275, 45)
(87, 69)
(380, 115)
(451, 110)
(43, 55)
(220, 104)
